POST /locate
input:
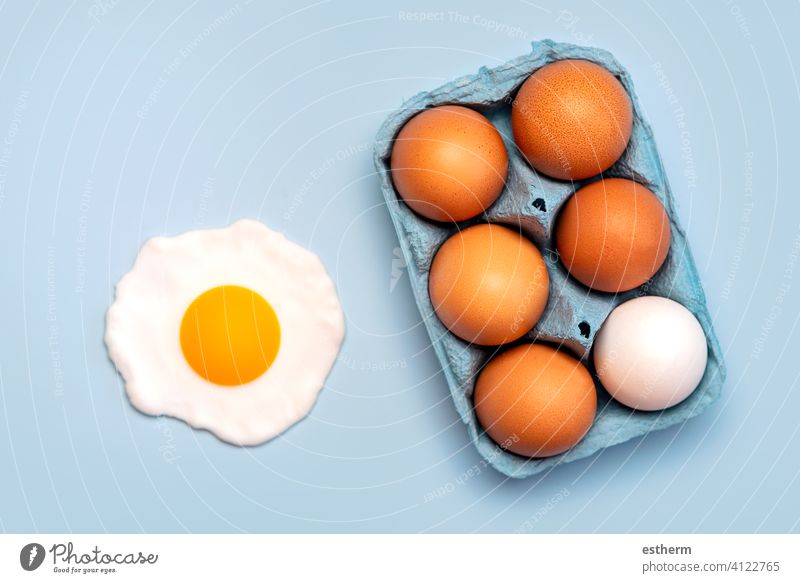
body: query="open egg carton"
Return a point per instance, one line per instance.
(531, 202)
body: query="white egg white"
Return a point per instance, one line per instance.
(143, 329)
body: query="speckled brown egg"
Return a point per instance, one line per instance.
(613, 235)
(535, 401)
(572, 119)
(449, 163)
(488, 284)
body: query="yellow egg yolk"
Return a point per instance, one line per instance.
(230, 335)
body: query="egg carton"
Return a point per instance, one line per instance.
(531, 202)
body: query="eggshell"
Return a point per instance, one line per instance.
(535, 401)
(488, 284)
(449, 163)
(651, 353)
(613, 235)
(572, 119)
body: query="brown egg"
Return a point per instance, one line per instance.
(488, 284)
(572, 119)
(613, 235)
(535, 400)
(449, 163)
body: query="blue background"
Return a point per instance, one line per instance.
(123, 120)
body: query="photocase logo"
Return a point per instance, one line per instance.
(31, 556)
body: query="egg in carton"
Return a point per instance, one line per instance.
(531, 202)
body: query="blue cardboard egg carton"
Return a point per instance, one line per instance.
(531, 201)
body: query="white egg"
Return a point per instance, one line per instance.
(651, 353)
(232, 330)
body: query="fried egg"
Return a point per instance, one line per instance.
(232, 330)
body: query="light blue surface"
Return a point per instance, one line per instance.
(570, 304)
(119, 121)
